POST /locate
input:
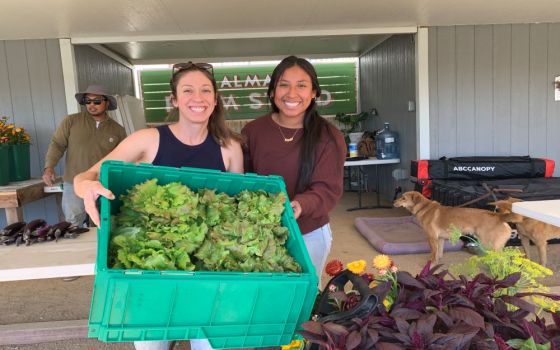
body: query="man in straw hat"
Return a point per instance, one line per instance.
(85, 137)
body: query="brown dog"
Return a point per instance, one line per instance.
(437, 221)
(530, 229)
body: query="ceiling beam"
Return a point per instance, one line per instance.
(241, 58)
(248, 35)
(112, 55)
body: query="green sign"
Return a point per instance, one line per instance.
(243, 90)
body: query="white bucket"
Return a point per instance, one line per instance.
(355, 137)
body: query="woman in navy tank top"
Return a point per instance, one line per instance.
(200, 138)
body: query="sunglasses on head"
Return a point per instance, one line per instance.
(95, 101)
(177, 67)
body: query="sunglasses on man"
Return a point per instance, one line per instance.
(177, 67)
(95, 101)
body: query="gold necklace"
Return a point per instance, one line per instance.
(287, 139)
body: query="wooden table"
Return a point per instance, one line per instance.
(65, 258)
(546, 211)
(368, 162)
(15, 194)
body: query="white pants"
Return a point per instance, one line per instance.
(201, 344)
(318, 243)
(72, 205)
(196, 344)
(151, 345)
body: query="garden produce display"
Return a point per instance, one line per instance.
(171, 227)
(38, 231)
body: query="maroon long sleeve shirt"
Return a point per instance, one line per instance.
(268, 154)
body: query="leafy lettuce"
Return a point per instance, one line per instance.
(171, 227)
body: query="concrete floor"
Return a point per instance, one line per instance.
(55, 300)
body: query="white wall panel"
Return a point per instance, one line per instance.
(32, 95)
(464, 37)
(483, 120)
(519, 89)
(553, 107)
(510, 110)
(539, 87)
(501, 112)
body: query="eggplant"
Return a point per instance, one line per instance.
(58, 230)
(42, 232)
(31, 240)
(6, 240)
(11, 229)
(16, 237)
(77, 230)
(63, 226)
(33, 225)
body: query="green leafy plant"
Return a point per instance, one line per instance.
(471, 243)
(350, 122)
(528, 344)
(171, 227)
(505, 263)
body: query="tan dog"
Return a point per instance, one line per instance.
(437, 221)
(530, 229)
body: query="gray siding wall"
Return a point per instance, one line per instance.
(94, 67)
(32, 95)
(491, 90)
(387, 83)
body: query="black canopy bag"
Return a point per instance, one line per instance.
(478, 193)
(423, 172)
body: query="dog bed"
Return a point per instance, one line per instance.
(397, 235)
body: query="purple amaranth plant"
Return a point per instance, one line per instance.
(434, 310)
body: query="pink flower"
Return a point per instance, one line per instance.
(394, 269)
(382, 272)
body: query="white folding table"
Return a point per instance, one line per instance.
(546, 211)
(361, 164)
(65, 258)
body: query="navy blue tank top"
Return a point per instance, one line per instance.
(172, 152)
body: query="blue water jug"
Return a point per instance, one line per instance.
(387, 144)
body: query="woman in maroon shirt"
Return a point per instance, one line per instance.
(294, 141)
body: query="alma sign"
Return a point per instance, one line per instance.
(243, 90)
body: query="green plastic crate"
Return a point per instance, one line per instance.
(231, 309)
